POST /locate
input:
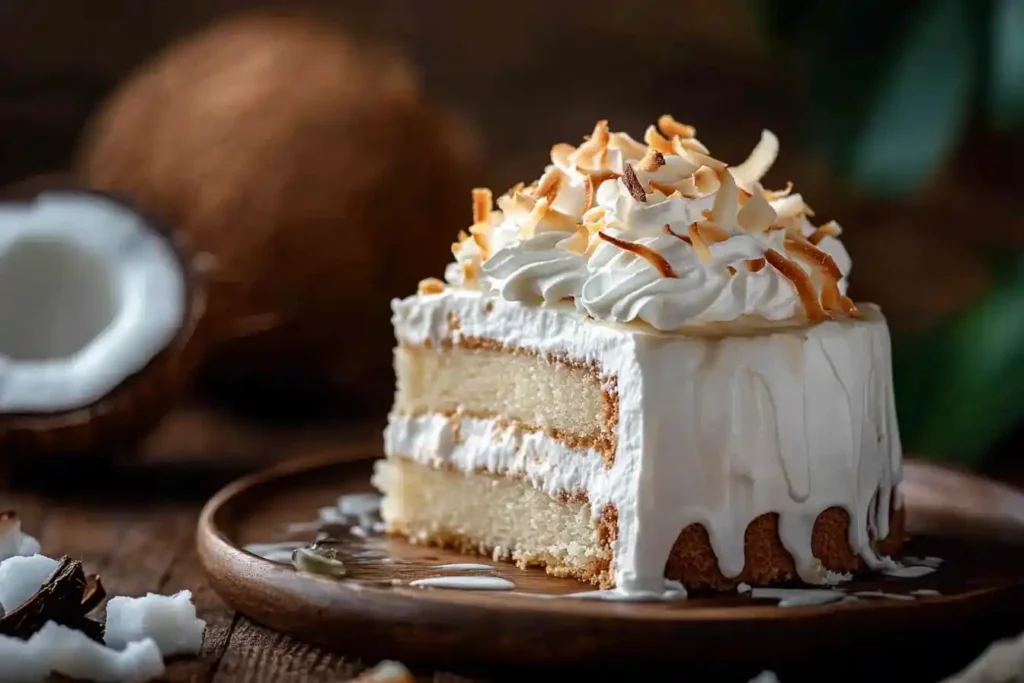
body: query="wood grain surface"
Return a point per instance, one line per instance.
(134, 523)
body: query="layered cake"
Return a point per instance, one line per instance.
(644, 368)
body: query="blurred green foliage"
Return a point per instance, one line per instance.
(894, 85)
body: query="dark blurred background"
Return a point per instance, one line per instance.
(901, 120)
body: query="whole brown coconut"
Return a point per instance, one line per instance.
(312, 172)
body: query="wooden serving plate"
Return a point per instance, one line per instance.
(976, 526)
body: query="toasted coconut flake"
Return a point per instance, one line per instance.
(593, 215)
(482, 203)
(560, 154)
(726, 204)
(772, 195)
(627, 144)
(601, 135)
(694, 145)
(706, 180)
(670, 127)
(470, 270)
(756, 215)
(533, 219)
(830, 295)
(810, 254)
(644, 252)
(517, 205)
(687, 187)
(730, 270)
(801, 282)
(591, 153)
(830, 229)
(589, 193)
(633, 184)
(542, 211)
(712, 233)
(576, 242)
(699, 245)
(760, 160)
(670, 231)
(700, 158)
(598, 177)
(657, 141)
(755, 265)
(789, 208)
(550, 184)
(431, 285)
(663, 188)
(481, 234)
(652, 161)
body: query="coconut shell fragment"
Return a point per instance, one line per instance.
(311, 173)
(135, 403)
(67, 598)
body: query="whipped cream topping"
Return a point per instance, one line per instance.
(656, 231)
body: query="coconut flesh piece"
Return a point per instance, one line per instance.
(170, 621)
(59, 649)
(21, 578)
(13, 541)
(90, 293)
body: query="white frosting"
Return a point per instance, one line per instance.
(715, 430)
(545, 244)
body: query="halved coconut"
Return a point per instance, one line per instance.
(98, 305)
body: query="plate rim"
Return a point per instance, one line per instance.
(233, 571)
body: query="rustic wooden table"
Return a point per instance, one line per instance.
(133, 522)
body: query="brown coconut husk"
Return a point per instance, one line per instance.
(131, 410)
(312, 172)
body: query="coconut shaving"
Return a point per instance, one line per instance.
(44, 627)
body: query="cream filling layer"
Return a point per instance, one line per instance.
(470, 444)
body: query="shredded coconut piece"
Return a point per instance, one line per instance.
(170, 621)
(59, 649)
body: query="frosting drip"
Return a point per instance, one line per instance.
(656, 231)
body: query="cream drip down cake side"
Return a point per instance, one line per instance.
(643, 367)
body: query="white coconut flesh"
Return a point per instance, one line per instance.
(89, 295)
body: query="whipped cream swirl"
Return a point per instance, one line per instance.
(659, 232)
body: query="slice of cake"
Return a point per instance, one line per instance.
(644, 367)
